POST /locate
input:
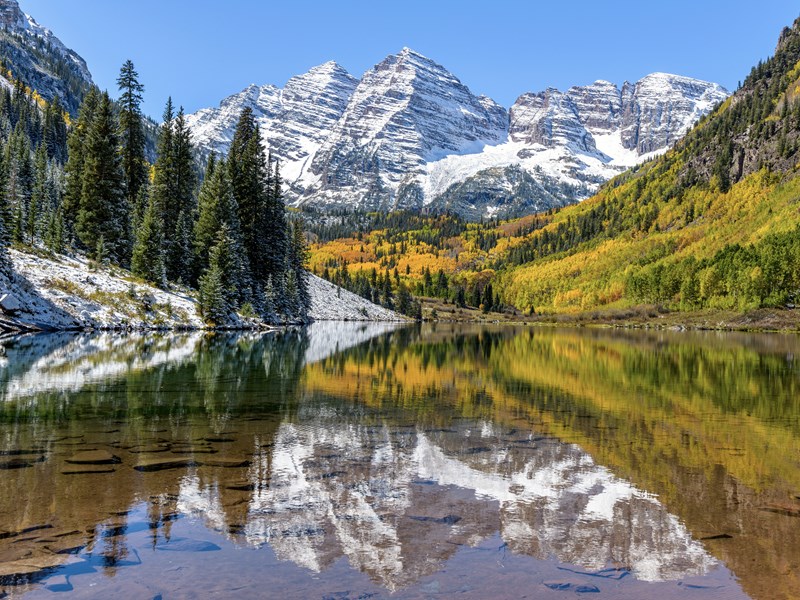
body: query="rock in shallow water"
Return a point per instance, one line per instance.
(187, 545)
(94, 457)
(19, 463)
(161, 464)
(225, 462)
(88, 470)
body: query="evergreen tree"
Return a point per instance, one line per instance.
(487, 304)
(5, 209)
(261, 211)
(39, 209)
(218, 284)
(183, 207)
(147, 261)
(103, 212)
(131, 132)
(218, 209)
(276, 241)
(404, 300)
(54, 134)
(55, 235)
(297, 261)
(76, 144)
(174, 183)
(163, 189)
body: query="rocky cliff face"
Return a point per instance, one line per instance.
(35, 55)
(410, 135)
(295, 120)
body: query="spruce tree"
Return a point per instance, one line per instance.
(73, 171)
(163, 187)
(174, 186)
(297, 261)
(147, 260)
(103, 212)
(276, 241)
(218, 284)
(39, 209)
(54, 135)
(217, 211)
(214, 191)
(264, 232)
(183, 208)
(5, 208)
(131, 131)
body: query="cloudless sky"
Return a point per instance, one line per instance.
(200, 51)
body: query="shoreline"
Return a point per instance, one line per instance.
(646, 317)
(67, 293)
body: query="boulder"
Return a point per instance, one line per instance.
(9, 304)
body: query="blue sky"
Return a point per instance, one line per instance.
(200, 51)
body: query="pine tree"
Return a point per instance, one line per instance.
(297, 261)
(131, 132)
(54, 237)
(218, 285)
(213, 305)
(39, 208)
(54, 134)
(276, 241)
(5, 209)
(76, 144)
(184, 206)
(174, 183)
(19, 186)
(163, 189)
(103, 211)
(147, 260)
(218, 209)
(487, 304)
(258, 197)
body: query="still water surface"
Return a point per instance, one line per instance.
(362, 461)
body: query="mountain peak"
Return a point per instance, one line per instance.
(322, 76)
(409, 132)
(39, 58)
(408, 56)
(11, 16)
(329, 68)
(406, 51)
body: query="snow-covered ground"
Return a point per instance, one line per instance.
(67, 294)
(329, 302)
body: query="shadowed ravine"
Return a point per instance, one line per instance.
(347, 461)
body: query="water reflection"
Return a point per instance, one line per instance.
(395, 460)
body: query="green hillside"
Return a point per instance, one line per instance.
(712, 224)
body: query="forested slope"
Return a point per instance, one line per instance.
(712, 224)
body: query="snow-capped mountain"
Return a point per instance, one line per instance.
(410, 135)
(34, 54)
(295, 120)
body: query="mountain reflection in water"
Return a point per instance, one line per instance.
(363, 459)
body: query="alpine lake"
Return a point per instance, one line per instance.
(355, 460)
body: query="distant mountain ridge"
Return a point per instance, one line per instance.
(410, 135)
(36, 56)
